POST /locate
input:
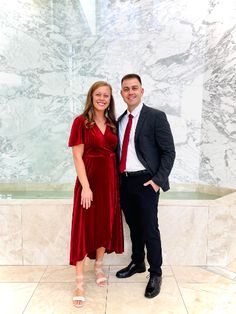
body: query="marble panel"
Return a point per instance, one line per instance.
(184, 234)
(52, 51)
(188, 274)
(21, 273)
(57, 298)
(218, 145)
(221, 234)
(232, 266)
(15, 296)
(209, 298)
(10, 235)
(59, 274)
(129, 298)
(188, 238)
(46, 231)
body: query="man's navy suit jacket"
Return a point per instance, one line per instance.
(154, 144)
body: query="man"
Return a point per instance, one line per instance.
(147, 155)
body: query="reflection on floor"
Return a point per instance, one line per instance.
(40, 289)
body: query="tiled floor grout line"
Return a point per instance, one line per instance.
(33, 292)
(35, 289)
(108, 281)
(177, 283)
(196, 282)
(43, 274)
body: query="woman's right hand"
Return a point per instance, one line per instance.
(86, 197)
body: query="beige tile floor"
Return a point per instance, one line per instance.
(40, 289)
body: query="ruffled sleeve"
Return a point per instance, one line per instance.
(77, 132)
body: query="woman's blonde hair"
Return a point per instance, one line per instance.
(89, 111)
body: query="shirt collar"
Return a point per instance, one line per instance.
(136, 111)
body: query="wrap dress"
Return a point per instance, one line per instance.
(101, 224)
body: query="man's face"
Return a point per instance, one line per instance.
(132, 92)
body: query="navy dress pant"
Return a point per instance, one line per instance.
(140, 206)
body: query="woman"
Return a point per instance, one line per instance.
(96, 220)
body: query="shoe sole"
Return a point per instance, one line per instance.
(151, 296)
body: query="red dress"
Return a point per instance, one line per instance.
(101, 224)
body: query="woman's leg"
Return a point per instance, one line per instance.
(78, 298)
(100, 254)
(101, 278)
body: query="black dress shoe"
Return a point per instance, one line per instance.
(153, 287)
(131, 269)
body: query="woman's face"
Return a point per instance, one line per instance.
(101, 98)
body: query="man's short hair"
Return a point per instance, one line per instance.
(130, 76)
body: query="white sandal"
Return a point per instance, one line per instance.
(79, 287)
(102, 281)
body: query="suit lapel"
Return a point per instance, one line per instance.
(118, 122)
(120, 117)
(142, 117)
(141, 120)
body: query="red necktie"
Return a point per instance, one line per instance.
(125, 144)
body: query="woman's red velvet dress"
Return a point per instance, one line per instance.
(101, 224)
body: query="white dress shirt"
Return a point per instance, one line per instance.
(132, 162)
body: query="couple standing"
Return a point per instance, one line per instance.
(144, 144)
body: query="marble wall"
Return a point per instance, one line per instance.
(52, 51)
(200, 232)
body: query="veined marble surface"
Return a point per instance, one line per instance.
(193, 232)
(49, 289)
(52, 51)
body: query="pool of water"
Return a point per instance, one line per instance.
(36, 195)
(69, 194)
(188, 196)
